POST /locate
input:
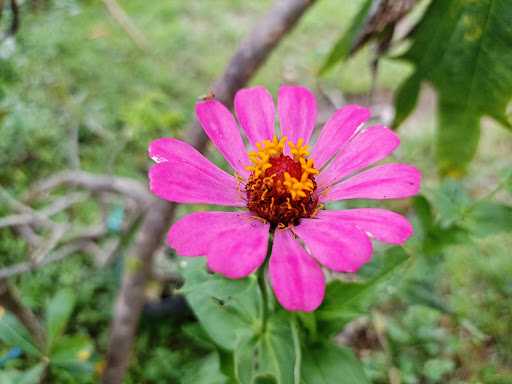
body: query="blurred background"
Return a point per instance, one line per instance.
(86, 85)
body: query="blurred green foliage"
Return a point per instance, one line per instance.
(445, 318)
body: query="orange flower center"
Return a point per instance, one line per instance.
(281, 188)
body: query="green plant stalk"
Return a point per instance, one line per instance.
(262, 283)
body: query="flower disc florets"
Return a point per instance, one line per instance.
(281, 188)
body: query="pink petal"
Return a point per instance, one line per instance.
(185, 176)
(220, 126)
(256, 112)
(178, 152)
(297, 280)
(368, 147)
(336, 132)
(297, 112)
(234, 243)
(384, 225)
(388, 181)
(339, 246)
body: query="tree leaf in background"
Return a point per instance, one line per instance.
(328, 363)
(227, 309)
(268, 356)
(375, 21)
(342, 47)
(58, 311)
(463, 49)
(14, 334)
(406, 98)
(344, 301)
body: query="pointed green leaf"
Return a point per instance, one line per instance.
(326, 364)
(30, 376)
(33, 375)
(13, 334)
(72, 351)
(227, 309)
(487, 218)
(58, 311)
(344, 301)
(406, 98)
(269, 356)
(342, 47)
(204, 371)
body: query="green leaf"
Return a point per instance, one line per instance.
(265, 379)
(13, 334)
(204, 371)
(345, 301)
(487, 218)
(432, 236)
(33, 375)
(462, 48)
(72, 352)
(227, 309)
(342, 47)
(269, 357)
(507, 180)
(451, 202)
(326, 364)
(58, 311)
(406, 98)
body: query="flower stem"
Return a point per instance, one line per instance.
(264, 296)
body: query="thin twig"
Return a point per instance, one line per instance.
(64, 202)
(13, 202)
(56, 255)
(26, 231)
(94, 183)
(52, 242)
(27, 216)
(22, 219)
(42, 216)
(127, 24)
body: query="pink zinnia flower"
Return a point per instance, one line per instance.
(281, 187)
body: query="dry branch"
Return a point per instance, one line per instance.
(93, 183)
(42, 216)
(250, 55)
(57, 255)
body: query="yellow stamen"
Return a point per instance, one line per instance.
(299, 150)
(307, 166)
(266, 150)
(295, 187)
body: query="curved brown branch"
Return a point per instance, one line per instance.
(249, 57)
(93, 183)
(53, 256)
